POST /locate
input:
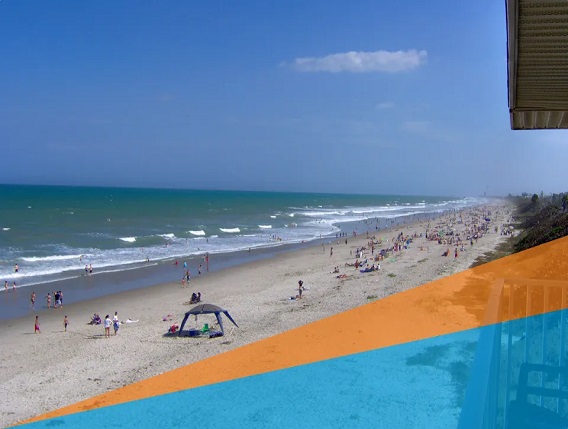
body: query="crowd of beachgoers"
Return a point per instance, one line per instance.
(265, 297)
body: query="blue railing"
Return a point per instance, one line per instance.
(519, 376)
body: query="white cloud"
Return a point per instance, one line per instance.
(360, 62)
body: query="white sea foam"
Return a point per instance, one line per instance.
(273, 217)
(52, 258)
(199, 232)
(170, 235)
(214, 236)
(230, 230)
(5, 229)
(319, 213)
(265, 226)
(128, 239)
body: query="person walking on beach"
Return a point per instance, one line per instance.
(86, 270)
(199, 270)
(90, 268)
(115, 322)
(48, 300)
(36, 325)
(107, 324)
(65, 322)
(32, 299)
(14, 286)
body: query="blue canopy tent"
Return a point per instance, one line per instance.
(207, 309)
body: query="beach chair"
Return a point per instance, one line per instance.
(205, 328)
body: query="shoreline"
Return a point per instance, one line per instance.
(16, 303)
(46, 371)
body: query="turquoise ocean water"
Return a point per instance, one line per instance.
(53, 232)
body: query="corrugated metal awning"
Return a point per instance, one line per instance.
(537, 60)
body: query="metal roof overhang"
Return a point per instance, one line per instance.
(537, 63)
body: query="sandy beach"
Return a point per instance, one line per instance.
(44, 371)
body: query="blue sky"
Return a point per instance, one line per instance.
(332, 96)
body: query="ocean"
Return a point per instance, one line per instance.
(52, 232)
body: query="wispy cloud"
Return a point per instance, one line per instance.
(386, 105)
(417, 127)
(363, 62)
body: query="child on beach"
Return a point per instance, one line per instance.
(36, 326)
(65, 322)
(107, 324)
(115, 322)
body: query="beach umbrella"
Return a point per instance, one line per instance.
(208, 309)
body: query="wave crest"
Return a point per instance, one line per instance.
(51, 258)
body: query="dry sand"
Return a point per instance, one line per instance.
(43, 372)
